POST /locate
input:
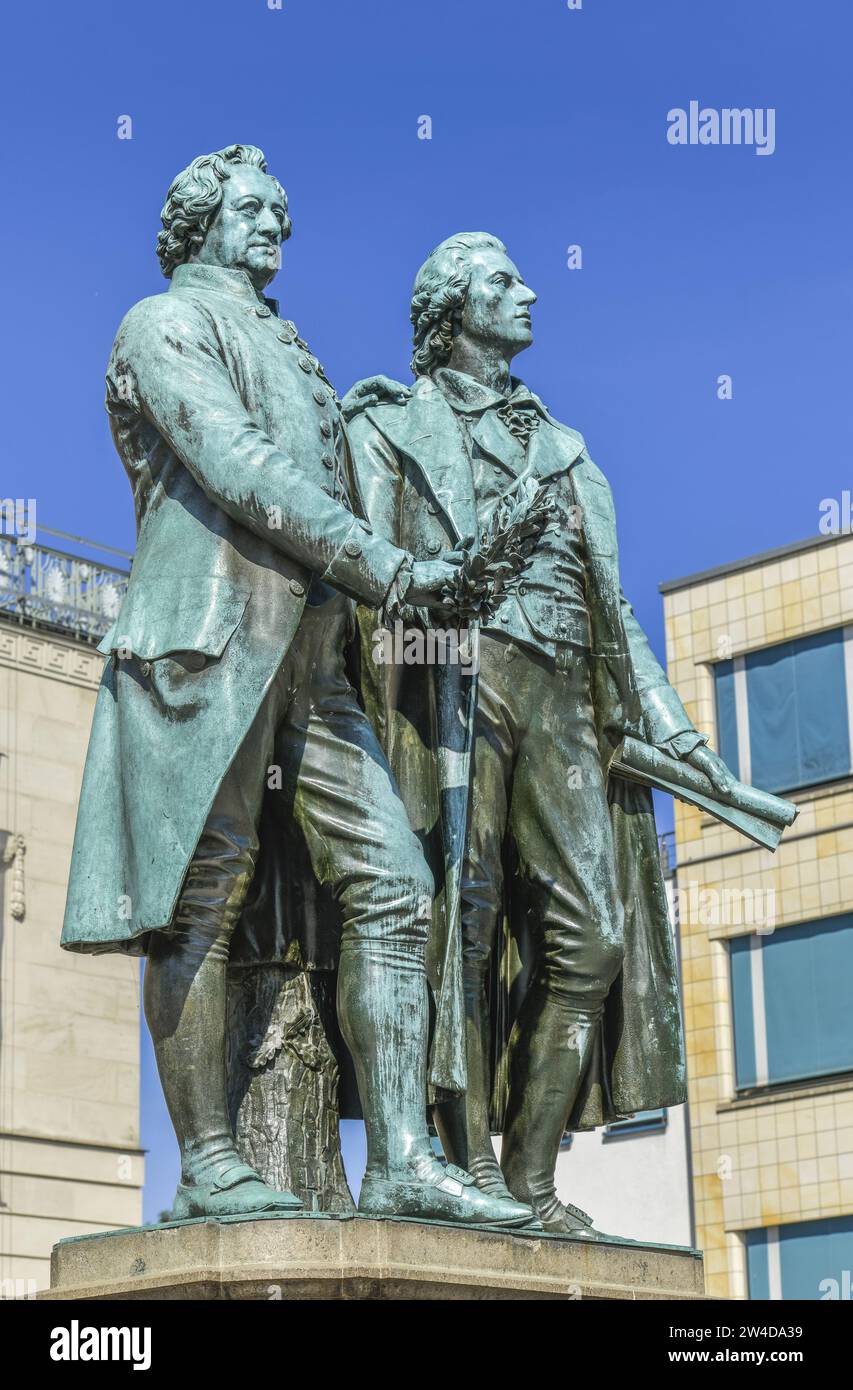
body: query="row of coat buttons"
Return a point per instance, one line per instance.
(319, 395)
(305, 362)
(328, 460)
(562, 629)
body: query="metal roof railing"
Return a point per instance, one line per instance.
(50, 588)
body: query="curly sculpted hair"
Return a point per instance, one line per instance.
(194, 198)
(438, 295)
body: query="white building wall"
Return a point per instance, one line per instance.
(636, 1185)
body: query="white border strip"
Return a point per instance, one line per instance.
(759, 1022)
(742, 720)
(774, 1264)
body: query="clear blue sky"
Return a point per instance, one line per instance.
(549, 128)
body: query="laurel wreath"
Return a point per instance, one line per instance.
(493, 571)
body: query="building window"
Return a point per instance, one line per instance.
(791, 1004)
(805, 1260)
(783, 713)
(644, 1122)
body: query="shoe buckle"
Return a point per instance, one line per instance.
(459, 1174)
(233, 1176)
(578, 1214)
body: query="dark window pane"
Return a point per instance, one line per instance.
(797, 699)
(724, 673)
(806, 977)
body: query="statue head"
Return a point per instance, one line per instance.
(225, 209)
(469, 289)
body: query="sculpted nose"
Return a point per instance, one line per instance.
(267, 223)
(527, 296)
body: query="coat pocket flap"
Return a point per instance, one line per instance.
(172, 614)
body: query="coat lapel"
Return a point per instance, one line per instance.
(553, 450)
(495, 440)
(556, 450)
(426, 431)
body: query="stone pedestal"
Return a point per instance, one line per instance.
(323, 1256)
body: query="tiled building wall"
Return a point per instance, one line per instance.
(786, 1155)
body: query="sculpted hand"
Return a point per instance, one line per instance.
(373, 390)
(432, 581)
(721, 779)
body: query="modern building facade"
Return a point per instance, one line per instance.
(70, 1160)
(762, 653)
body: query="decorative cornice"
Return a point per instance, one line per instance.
(27, 649)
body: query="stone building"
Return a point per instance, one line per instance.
(762, 653)
(70, 1160)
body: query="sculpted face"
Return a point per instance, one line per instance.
(246, 232)
(496, 312)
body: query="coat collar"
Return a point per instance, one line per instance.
(550, 452)
(221, 280)
(426, 431)
(469, 396)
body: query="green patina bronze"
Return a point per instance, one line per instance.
(225, 685)
(488, 829)
(557, 1001)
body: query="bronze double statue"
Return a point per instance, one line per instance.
(492, 885)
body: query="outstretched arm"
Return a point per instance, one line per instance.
(668, 725)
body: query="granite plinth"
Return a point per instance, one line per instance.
(321, 1256)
